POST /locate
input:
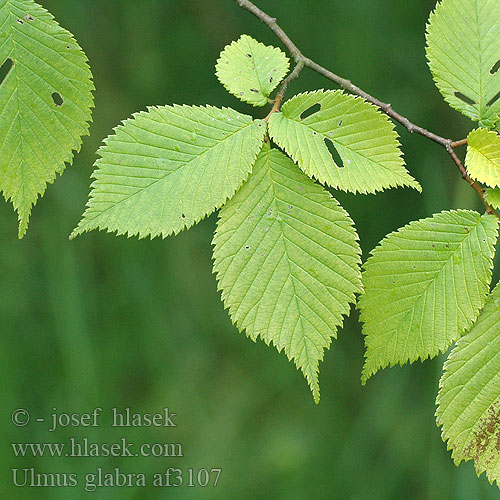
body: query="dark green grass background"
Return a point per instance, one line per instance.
(106, 321)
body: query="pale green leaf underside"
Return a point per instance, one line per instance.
(37, 136)
(165, 169)
(364, 139)
(492, 196)
(463, 47)
(469, 395)
(424, 286)
(483, 156)
(287, 261)
(251, 70)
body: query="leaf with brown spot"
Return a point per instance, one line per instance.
(469, 395)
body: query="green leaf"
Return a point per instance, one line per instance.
(492, 196)
(469, 395)
(167, 168)
(363, 138)
(287, 261)
(251, 70)
(483, 156)
(45, 102)
(463, 49)
(424, 286)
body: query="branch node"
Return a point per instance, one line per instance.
(302, 61)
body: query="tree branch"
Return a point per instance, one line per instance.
(302, 61)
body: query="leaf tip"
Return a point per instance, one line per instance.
(77, 231)
(366, 374)
(23, 224)
(314, 386)
(416, 185)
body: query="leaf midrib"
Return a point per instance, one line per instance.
(310, 365)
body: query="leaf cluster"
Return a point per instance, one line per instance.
(286, 254)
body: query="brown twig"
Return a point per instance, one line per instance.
(465, 176)
(302, 61)
(458, 144)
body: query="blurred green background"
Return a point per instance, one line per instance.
(106, 321)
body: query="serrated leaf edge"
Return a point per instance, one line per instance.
(80, 228)
(312, 380)
(366, 376)
(70, 38)
(263, 102)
